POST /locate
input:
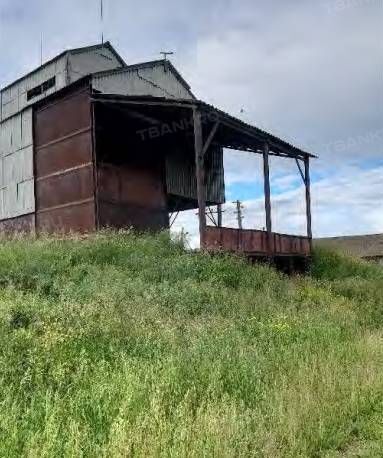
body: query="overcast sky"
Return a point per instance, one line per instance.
(307, 71)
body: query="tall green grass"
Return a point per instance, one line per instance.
(126, 345)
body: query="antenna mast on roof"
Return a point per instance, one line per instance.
(102, 20)
(41, 49)
(166, 54)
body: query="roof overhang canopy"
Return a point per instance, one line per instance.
(167, 116)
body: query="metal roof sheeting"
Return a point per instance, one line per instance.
(245, 131)
(158, 79)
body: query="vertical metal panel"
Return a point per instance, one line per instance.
(71, 186)
(62, 118)
(68, 153)
(65, 199)
(181, 176)
(16, 165)
(132, 195)
(79, 218)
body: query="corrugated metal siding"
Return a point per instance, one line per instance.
(14, 98)
(87, 62)
(16, 166)
(155, 81)
(16, 127)
(181, 176)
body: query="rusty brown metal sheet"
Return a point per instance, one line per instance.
(133, 184)
(65, 154)
(73, 218)
(61, 117)
(132, 195)
(120, 216)
(255, 242)
(25, 223)
(65, 185)
(75, 185)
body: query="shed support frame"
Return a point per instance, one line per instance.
(266, 176)
(200, 174)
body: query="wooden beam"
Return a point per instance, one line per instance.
(200, 175)
(301, 171)
(210, 138)
(266, 175)
(308, 198)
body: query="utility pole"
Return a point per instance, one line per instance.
(219, 213)
(238, 212)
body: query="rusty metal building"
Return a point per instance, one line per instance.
(87, 141)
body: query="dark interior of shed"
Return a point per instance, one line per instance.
(158, 142)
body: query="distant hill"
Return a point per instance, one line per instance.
(369, 247)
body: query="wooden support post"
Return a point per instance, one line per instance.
(266, 173)
(200, 175)
(308, 198)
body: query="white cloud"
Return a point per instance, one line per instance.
(309, 72)
(349, 203)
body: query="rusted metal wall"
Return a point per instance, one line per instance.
(64, 172)
(151, 79)
(256, 242)
(132, 195)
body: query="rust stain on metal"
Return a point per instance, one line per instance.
(255, 242)
(68, 153)
(75, 218)
(64, 165)
(68, 187)
(62, 118)
(132, 195)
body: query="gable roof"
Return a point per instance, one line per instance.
(72, 51)
(363, 246)
(148, 64)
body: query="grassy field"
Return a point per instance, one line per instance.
(120, 345)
